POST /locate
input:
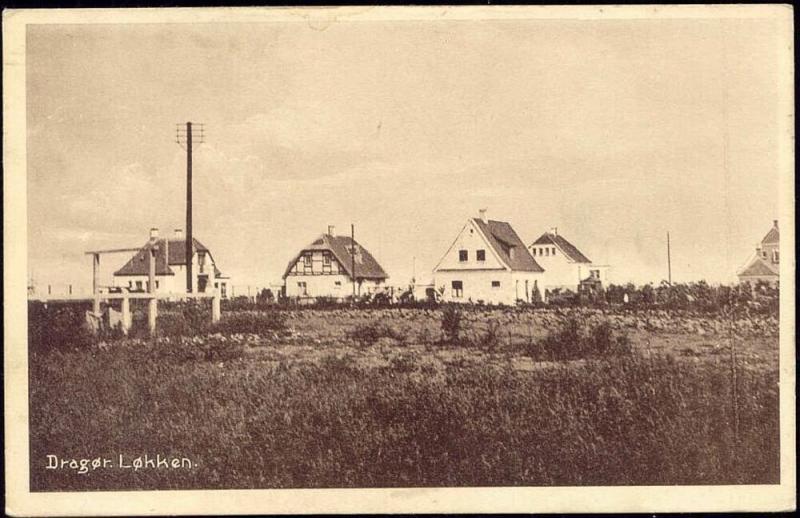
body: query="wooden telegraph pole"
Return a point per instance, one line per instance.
(185, 135)
(189, 254)
(669, 263)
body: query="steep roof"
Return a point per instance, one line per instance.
(502, 237)
(139, 264)
(366, 267)
(758, 268)
(773, 236)
(570, 250)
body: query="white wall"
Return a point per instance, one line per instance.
(470, 239)
(477, 286)
(175, 283)
(560, 272)
(325, 286)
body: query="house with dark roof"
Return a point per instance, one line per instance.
(487, 262)
(170, 267)
(764, 265)
(330, 266)
(565, 267)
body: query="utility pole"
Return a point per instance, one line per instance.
(353, 256)
(185, 136)
(669, 263)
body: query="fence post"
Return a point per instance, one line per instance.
(152, 313)
(215, 307)
(126, 313)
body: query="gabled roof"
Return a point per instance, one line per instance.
(502, 238)
(567, 248)
(758, 268)
(773, 236)
(366, 267)
(139, 264)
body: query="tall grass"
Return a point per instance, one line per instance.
(250, 424)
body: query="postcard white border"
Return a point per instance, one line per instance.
(20, 501)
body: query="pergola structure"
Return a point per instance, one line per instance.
(151, 295)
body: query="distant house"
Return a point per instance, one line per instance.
(487, 262)
(329, 266)
(764, 265)
(170, 267)
(565, 266)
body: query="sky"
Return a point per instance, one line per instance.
(614, 131)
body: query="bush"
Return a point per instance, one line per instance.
(574, 341)
(265, 323)
(451, 324)
(59, 326)
(368, 334)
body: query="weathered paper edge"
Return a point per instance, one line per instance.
(563, 499)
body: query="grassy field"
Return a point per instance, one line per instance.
(376, 398)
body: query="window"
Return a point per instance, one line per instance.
(595, 274)
(458, 289)
(764, 254)
(495, 284)
(307, 259)
(302, 288)
(130, 285)
(547, 251)
(338, 284)
(326, 258)
(156, 284)
(774, 256)
(139, 285)
(554, 250)
(480, 255)
(463, 256)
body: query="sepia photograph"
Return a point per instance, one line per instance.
(515, 253)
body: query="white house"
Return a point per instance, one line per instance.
(328, 267)
(764, 265)
(564, 265)
(171, 267)
(487, 262)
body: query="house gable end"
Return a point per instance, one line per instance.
(471, 239)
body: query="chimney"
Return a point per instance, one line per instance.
(178, 233)
(153, 233)
(554, 231)
(331, 230)
(482, 213)
(775, 223)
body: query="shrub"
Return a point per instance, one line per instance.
(265, 323)
(451, 323)
(491, 338)
(573, 340)
(59, 326)
(368, 334)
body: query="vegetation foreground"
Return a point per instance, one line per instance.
(361, 401)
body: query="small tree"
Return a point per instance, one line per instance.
(451, 323)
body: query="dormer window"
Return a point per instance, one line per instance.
(463, 256)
